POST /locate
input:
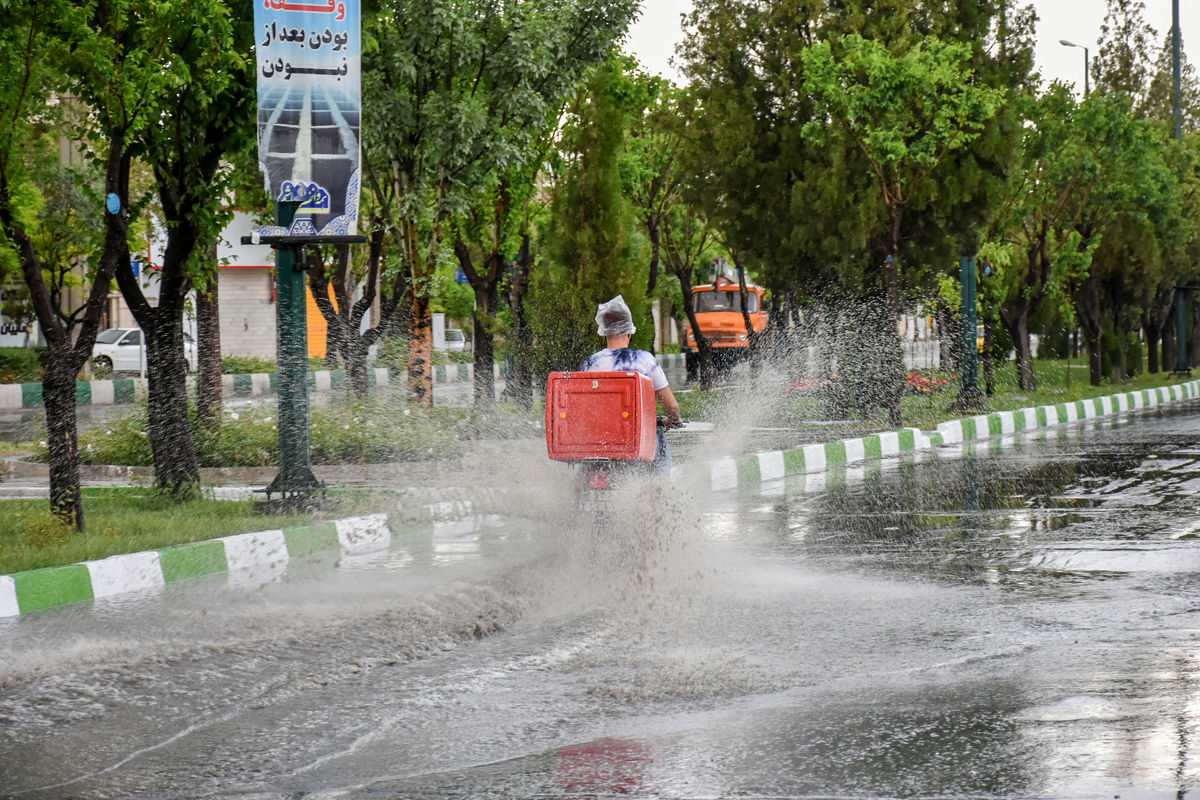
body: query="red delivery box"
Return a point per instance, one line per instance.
(600, 415)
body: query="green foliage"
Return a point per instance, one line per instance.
(376, 430)
(454, 91)
(121, 440)
(457, 300)
(247, 437)
(594, 250)
(20, 364)
(905, 112)
(343, 432)
(246, 365)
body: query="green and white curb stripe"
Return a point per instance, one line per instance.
(247, 556)
(463, 373)
(15, 396)
(87, 393)
(757, 468)
(731, 472)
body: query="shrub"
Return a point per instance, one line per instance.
(20, 364)
(377, 430)
(248, 437)
(343, 432)
(499, 421)
(246, 365)
(121, 440)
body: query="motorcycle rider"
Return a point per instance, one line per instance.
(614, 321)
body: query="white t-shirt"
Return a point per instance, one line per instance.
(627, 359)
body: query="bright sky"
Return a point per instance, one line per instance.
(655, 34)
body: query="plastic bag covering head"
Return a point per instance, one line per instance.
(614, 318)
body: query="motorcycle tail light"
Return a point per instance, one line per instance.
(598, 480)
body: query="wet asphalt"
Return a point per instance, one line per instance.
(1018, 618)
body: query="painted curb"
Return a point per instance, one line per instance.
(758, 468)
(247, 557)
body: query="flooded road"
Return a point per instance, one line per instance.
(1015, 619)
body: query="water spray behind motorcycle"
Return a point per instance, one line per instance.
(597, 477)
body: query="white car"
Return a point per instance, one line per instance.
(122, 350)
(456, 341)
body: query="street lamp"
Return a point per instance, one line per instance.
(1086, 66)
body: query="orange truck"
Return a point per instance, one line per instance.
(718, 309)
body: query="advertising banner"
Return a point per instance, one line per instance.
(309, 110)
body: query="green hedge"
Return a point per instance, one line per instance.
(21, 364)
(246, 365)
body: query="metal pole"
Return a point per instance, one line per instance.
(1086, 70)
(1182, 370)
(295, 473)
(1177, 70)
(1086, 65)
(969, 390)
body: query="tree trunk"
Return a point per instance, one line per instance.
(520, 379)
(893, 367)
(652, 231)
(420, 351)
(989, 364)
(949, 338)
(337, 337)
(1150, 331)
(176, 469)
(1087, 307)
(1168, 341)
(707, 370)
(345, 320)
(1016, 319)
(58, 396)
(1193, 345)
(208, 357)
(487, 300)
(355, 353)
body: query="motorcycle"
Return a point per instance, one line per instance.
(605, 424)
(598, 476)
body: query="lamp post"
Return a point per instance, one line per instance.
(1086, 65)
(1176, 72)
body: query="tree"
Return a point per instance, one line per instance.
(1136, 211)
(591, 243)
(488, 237)
(657, 151)
(73, 48)
(1083, 166)
(347, 338)
(1122, 62)
(206, 112)
(454, 93)
(905, 113)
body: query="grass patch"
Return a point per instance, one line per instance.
(1050, 378)
(16, 448)
(130, 520)
(803, 410)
